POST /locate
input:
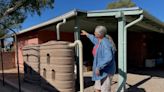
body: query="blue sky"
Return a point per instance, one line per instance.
(154, 7)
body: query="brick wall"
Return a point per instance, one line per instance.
(136, 49)
(8, 60)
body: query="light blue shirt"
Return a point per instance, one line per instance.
(104, 59)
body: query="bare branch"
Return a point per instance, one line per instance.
(14, 8)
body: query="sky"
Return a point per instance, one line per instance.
(154, 7)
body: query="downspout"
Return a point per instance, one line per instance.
(125, 41)
(58, 30)
(80, 47)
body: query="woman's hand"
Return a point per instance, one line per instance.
(97, 72)
(83, 32)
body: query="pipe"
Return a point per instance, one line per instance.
(57, 28)
(16, 47)
(80, 47)
(19, 83)
(2, 47)
(125, 38)
(134, 22)
(125, 41)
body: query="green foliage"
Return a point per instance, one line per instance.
(14, 12)
(121, 4)
(2, 33)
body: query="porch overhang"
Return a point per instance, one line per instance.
(115, 12)
(149, 23)
(88, 20)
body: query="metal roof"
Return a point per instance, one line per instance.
(113, 12)
(59, 18)
(148, 22)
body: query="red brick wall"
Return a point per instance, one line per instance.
(47, 35)
(136, 49)
(28, 38)
(8, 60)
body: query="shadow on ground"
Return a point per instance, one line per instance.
(11, 84)
(154, 72)
(88, 82)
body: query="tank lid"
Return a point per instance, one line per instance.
(31, 46)
(55, 43)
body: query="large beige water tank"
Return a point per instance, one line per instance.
(57, 66)
(31, 64)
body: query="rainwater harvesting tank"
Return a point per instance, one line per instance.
(57, 66)
(31, 64)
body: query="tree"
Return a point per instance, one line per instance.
(14, 12)
(121, 4)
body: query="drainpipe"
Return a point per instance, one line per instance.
(125, 38)
(125, 42)
(80, 47)
(57, 28)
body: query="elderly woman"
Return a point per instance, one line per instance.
(104, 63)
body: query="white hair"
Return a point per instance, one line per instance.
(101, 30)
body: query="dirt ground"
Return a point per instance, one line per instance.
(138, 80)
(146, 80)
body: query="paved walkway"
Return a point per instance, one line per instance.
(140, 81)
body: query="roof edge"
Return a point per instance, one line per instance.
(56, 19)
(153, 18)
(115, 10)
